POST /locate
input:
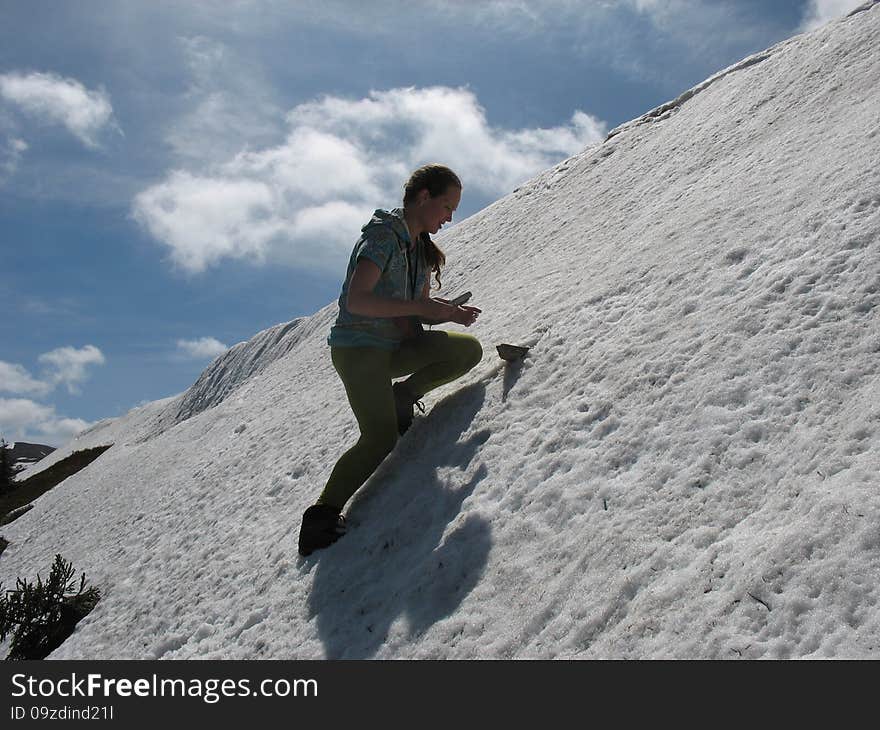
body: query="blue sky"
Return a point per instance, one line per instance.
(177, 176)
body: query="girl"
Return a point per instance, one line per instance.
(378, 336)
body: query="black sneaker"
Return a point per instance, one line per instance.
(404, 401)
(322, 525)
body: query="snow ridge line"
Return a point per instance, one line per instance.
(664, 109)
(862, 8)
(237, 365)
(670, 106)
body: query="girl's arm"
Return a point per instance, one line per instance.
(361, 300)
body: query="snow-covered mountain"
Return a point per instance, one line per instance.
(23, 454)
(685, 465)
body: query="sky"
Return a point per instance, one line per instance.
(684, 465)
(176, 177)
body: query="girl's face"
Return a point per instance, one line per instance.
(434, 212)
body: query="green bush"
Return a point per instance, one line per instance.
(40, 617)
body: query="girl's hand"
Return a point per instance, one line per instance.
(437, 311)
(470, 315)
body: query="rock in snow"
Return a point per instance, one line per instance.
(684, 465)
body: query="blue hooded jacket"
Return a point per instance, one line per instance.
(385, 241)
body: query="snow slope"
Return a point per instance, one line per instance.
(685, 465)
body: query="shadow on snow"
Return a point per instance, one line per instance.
(399, 556)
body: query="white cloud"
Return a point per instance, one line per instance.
(304, 200)
(18, 415)
(54, 99)
(16, 379)
(231, 105)
(410, 126)
(312, 164)
(318, 222)
(25, 420)
(820, 12)
(57, 431)
(205, 219)
(202, 348)
(11, 150)
(68, 365)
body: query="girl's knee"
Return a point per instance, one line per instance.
(473, 352)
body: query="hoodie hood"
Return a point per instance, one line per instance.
(389, 219)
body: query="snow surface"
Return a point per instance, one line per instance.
(685, 464)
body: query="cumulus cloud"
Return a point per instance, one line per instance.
(820, 12)
(410, 126)
(15, 379)
(18, 415)
(51, 98)
(65, 365)
(25, 420)
(304, 199)
(202, 348)
(204, 219)
(68, 366)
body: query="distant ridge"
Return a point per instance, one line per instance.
(24, 454)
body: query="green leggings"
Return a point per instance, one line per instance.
(434, 358)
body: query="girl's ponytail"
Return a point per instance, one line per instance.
(434, 256)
